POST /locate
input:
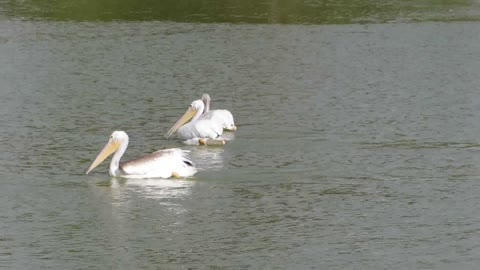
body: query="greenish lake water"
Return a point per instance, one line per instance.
(357, 143)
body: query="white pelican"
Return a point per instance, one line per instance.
(223, 117)
(198, 130)
(164, 163)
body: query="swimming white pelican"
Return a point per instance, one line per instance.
(223, 117)
(164, 163)
(198, 130)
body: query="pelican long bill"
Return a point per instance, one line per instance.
(109, 149)
(180, 122)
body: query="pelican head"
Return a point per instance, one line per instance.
(117, 139)
(193, 112)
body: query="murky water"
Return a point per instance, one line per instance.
(357, 145)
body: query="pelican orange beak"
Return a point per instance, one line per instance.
(180, 122)
(109, 149)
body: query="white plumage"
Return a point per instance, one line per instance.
(223, 117)
(163, 163)
(198, 127)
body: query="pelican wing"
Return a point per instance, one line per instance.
(223, 117)
(163, 163)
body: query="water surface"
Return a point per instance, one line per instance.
(357, 145)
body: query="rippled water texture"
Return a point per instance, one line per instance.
(357, 145)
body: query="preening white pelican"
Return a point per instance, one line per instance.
(164, 163)
(198, 130)
(223, 117)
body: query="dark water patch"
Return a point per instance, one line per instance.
(265, 12)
